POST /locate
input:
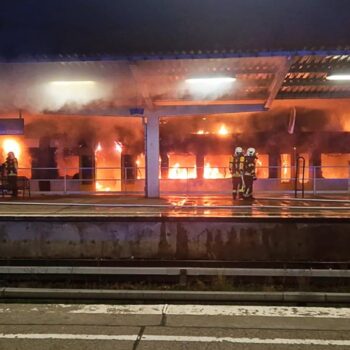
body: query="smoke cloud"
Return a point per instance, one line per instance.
(47, 107)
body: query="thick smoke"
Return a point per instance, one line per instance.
(46, 107)
(72, 87)
(267, 131)
(72, 131)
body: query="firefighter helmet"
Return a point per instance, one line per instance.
(238, 150)
(250, 151)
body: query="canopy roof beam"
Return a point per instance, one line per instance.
(278, 80)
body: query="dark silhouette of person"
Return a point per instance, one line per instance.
(11, 170)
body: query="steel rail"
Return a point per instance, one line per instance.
(211, 263)
(172, 271)
(8, 293)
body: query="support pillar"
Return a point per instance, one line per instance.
(316, 163)
(200, 165)
(152, 157)
(274, 164)
(164, 164)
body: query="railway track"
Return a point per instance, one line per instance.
(174, 280)
(341, 265)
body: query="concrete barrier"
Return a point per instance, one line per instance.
(158, 238)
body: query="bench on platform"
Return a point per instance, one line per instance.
(23, 184)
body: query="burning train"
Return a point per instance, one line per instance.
(80, 134)
(106, 154)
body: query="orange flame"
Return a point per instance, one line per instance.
(262, 170)
(118, 146)
(101, 188)
(108, 167)
(178, 172)
(201, 132)
(11, 145)
(212, 173)
(98, 148)
(223, 131)
(286, 170)
(19, 148)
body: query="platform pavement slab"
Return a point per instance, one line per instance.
(263, 332)
(257, 322)
(71, 344)
(270, 317)
(64, 328)
(11, 314)
(228, 346)
(94, 326)
(64, 344)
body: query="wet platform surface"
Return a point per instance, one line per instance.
(264, 206)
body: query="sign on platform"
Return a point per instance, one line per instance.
(12, 126)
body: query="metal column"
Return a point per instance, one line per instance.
(152, 157)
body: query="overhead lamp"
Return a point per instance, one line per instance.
(80, 92)
(65, 83)
(338, 77)
(208, 80)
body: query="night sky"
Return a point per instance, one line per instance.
(120, 27)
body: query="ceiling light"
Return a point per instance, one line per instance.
(339, 77)
(72, 83)
(214, 80)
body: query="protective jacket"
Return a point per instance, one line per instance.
(237, 165)
(249, 165)
(11, 167)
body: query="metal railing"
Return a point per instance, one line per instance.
(297, 176)
(317, 179)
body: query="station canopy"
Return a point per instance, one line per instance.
(170, 86)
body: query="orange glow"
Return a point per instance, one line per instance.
(101, 188)
(98, 148)
(140, 166)
(262, 166)
(285, 167)
(335, 165)
(346, 124)
(182, 166)
(118, 146)
(307, 169)
(211, 173)
(19, 148)
(179, 172)
(216, 167)
(223, 131)
(108, 167)
(201, 132)
(11, 145)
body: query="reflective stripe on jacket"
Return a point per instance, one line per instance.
(11, 167)
(249, 165)
(237, 165)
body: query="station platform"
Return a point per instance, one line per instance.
(283, 229)
(220, 206)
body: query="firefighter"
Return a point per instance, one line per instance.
(249, 172)
(11, 169)
(236, 169)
